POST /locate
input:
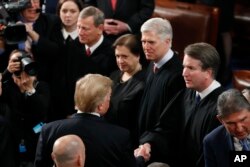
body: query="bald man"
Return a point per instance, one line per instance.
(69, 151)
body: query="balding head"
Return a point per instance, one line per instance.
(69, 151)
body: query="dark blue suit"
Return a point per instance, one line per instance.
(106, 145)
(217, 146)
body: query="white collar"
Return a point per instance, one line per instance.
(165, 58)
(98, 43)
(215, 84)
(92, 113)
(73, 34)
(237, 145)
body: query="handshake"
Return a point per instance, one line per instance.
(144, 151)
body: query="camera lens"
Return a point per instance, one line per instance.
(29, 66)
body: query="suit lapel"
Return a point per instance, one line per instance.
(118, 4)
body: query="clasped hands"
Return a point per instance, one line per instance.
(144, 151)
(115, 27)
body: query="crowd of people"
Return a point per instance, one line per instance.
(98, 85)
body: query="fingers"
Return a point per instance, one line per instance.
(143, 151)
(14, 65)
(114, 27)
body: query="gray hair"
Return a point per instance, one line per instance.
(206, 54)
(231, 101)
(161, 27)
(97, 14)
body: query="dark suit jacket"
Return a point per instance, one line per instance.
(132, 12)
(217, 145)
(107, 145)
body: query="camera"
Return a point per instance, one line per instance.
(27, 65)
(13, 33)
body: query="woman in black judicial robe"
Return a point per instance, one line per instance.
(128, 84)
(65, 36)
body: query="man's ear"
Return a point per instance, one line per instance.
(219, 118)
(80, 161)
(52, 156)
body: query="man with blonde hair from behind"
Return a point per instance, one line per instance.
(107, 145)
(69, 151)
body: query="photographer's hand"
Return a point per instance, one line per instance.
(13, 65)
(32, 34)
(30, 31)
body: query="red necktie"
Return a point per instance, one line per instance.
(88, 52)
(113, 3)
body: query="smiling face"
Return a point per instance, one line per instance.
(126, 61)
(195, 77)
(237, 124)
(69, 13)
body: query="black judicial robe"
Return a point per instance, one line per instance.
(177, 138)
(101, 61)
(196, 122)
(160, 88)
(125, 101)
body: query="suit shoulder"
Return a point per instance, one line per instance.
(54, 124)
(118, 129)
(215, 134)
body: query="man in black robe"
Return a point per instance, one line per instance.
(161, 84)
(191, 114)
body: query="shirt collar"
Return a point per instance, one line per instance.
(237, 144)
(165, 59)
(215, 84)
(98, 43)
(73, 34)
(92, 113)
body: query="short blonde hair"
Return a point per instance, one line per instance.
(90, 91)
